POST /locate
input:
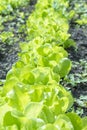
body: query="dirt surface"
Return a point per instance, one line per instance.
(79, 60)
(79, 34)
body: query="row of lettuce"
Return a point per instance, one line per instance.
(32, 97)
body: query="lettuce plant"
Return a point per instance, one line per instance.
(7, 6)
(32, 97)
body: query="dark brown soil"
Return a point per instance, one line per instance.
(79, 34)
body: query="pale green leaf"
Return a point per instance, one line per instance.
(76, 121)
(33, 110)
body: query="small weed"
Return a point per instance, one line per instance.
(77, 76)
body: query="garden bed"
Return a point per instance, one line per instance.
(10, 48)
